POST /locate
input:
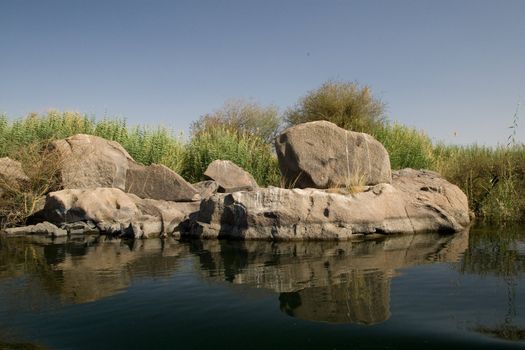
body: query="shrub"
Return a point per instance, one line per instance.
(243, 117)
(18, 203)
(248, 151)
(347, 105)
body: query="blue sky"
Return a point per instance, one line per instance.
(442, 66)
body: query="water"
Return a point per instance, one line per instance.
(429, 290)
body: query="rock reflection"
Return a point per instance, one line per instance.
(87, 269)
(336, 282)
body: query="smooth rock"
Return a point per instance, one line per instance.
(92, 162)
(159, 182)
(116, 212)
(322, 155)
(409, 205)
(230, 177)
(44, 228)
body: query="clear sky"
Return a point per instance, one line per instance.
(443, 66)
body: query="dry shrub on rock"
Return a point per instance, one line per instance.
(19, 201)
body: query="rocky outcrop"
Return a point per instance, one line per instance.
(89, 162)
(321, 155)
(230, 177)
(417, 201)
(12, 176)
(114, 212)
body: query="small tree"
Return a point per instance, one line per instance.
(348, 105)
(243, 117)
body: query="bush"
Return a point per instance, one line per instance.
(18, 203)
(347, 105)
(407, 147)
(248, 151)
(242, 117)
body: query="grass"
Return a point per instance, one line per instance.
(407, 147)
(145, 144)
(249, 151)
(493, 178)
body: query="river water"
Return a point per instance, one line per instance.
(429, 291)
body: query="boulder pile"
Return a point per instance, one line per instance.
(341, 187)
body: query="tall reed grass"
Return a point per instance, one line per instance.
(493, 178)
(145, 144)
(249, 151)
(407, 147)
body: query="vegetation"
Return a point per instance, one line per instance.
(347, 105)
(249, 151)
(18, 202)
(145, 144)
(244, 117)
(407, 147)
(492, 177)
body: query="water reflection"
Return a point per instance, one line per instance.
(85, 269)
(337, 282)
(499, 253)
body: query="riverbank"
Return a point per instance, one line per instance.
(492, 177)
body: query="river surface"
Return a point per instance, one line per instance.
(425, 291)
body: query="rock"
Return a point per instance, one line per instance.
(80, 228)
(159, 182)
(91, 162)
(116, 212)
(230, 177)
(206, 188)
(12, 176)
(434, 192)
(417, 201)
(321, 155)
(44, 228)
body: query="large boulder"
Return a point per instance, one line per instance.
(89, 162)
(322, 155)
(417, 201)
(116, 212)
(230, 177)
(159, 182)
(12, 176)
